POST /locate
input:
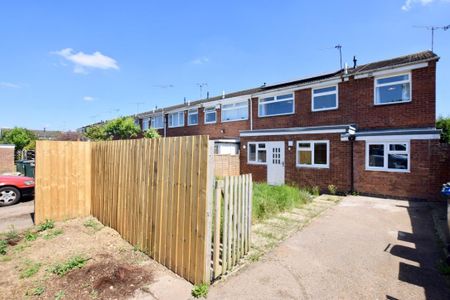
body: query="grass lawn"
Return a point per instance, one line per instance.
(269, 200)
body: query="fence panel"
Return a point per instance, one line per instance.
(154, 193)
(232, 222)
(63, 180)
(226, 165)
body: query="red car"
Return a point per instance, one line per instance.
(13, 188)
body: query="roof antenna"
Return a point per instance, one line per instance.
(207, 95)
(433, 29)
(339, 47)
(201, 85)
(354, 61)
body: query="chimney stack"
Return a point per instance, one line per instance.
(354, 61)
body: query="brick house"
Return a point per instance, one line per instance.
(369, 128)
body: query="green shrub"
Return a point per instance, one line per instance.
(315, 190)
(332, 189)
(269, 200)
(76, 262)
(200, 290)
(3, 246)
(12, 234)
(48, 224)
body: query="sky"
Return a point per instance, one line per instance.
(65, 64)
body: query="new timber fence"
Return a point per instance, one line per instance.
(157, 193)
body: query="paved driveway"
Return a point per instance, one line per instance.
(364, 248)
(19, 215)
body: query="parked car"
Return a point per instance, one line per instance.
(13, 188)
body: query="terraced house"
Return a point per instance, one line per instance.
(369, 128)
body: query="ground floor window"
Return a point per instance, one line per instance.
(257, 153)
(387, 156)
(313, 154)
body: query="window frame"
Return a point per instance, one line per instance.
(190, 112)
(154, 117)
(325, 94)
(275, 101)
(255, 162)
(205, 113)
(313, 165)
(145, 121)
(233, 107)
(386, 152)
(178, 116)
(376, 85)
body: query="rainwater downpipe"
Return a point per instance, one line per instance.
(351, 138)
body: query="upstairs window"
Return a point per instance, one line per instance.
(176, 119)
(392, 157)
(145, 124)
(235, 111)
(210, 115)
(276, 105)
(193, 116)
(257, 153)
(325, 98)
(313, 154)
(157, 122)
(393, 89)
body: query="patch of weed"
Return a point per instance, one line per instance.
(52, 234)
(48, 224)
(37, 291)
(59, 295)
(92, 223)
(200, 290)
(332, 189)
(76, 262)
(30, 236)
(254, 257)
(19, 248)
(12, 235)
(269, 200)
(5, 258)
(30, 269)
(3, 247)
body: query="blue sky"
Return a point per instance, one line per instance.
(67, 64)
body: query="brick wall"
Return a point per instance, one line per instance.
(356, 106)
(337, 174)
(6, 159)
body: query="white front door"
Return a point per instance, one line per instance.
(275, 163)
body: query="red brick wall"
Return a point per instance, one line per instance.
(6, 159)
(429, 169)
(337, 174)
(356, 106)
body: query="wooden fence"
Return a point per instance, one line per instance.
(232, 222)
(154, 193)
(157, 193)
(63, 180)
(226, 165)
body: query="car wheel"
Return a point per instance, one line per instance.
(9, 195)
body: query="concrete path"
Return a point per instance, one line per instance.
(18, 215)
(363, 248)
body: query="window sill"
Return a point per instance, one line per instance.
(312, 167)
(175, 126)
(392, 103)
(208, 123)
(256, 163)
(388, 170)
(324, 109)
(271, 116)
(226, 121)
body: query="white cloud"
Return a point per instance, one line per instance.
(83, 61)
(88, 98)
(10, 85)
(200, 61)
(410, 3)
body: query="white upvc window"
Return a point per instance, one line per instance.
(210, 115)
(257, 153)
(388, 156)
(235, 111)
(176, 119)
(157, 122)
(193, 116)
(325, 98)
(313, 154)
(393, 89)
(145, 124)
(276, 105)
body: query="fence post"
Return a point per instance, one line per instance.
(209, 201)
(217, 215)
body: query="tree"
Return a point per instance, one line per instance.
(20, 137)
(444, 124)
(152, 133)
(120, 128)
